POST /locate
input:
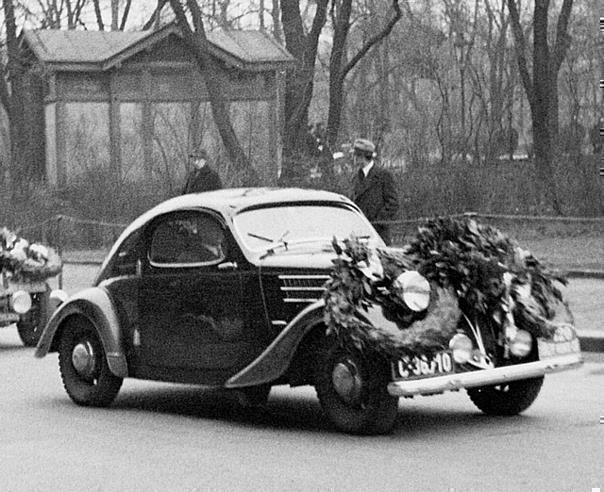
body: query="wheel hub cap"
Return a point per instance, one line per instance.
(84, 360)
(347, 381)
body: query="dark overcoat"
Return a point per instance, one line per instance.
(204, 179)
(376, 196)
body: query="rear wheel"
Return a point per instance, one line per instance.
(84, 369)
(352, 391)
(506, 399)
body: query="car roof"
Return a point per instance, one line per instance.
(228, 202)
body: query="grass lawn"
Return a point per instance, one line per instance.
(568, 253)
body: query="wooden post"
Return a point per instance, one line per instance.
(115, 144)
(59, 219)
(148, 125)
(61, 143)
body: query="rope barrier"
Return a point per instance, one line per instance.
(536, 218)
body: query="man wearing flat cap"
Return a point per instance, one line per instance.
(373, 188)
(201, 177)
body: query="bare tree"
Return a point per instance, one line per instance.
(196, 37)
(114, 14)
(275, 14)
(340, 66)
(154, 20)
(542, 88)
(98, 15)
(12, 95)
(300, 80)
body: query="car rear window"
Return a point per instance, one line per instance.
(191, 239)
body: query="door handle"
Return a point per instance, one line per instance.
(228, 265)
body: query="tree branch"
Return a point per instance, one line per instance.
(371, 42)
(520, 48)
(99, 15)
(155, 16)
(125, 15)
(562, 37)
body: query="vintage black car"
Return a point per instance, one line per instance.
(225, 289)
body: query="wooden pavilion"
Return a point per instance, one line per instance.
(133, 104)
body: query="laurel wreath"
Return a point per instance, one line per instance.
(27, 261)
(474, 270)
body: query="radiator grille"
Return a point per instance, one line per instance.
(302, 288)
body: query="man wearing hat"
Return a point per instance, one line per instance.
(373, 188)
(202, 177)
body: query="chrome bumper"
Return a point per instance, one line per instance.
(485, 377)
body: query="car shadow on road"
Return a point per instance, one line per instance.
(280, 412)
(295, 411)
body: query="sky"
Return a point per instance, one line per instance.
(140, 11)
(29, 11)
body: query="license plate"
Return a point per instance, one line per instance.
(421, 367)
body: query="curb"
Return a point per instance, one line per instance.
(591, 344)
(599, 274)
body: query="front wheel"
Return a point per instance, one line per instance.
(506, 399)
(352, 391)
(83, 365)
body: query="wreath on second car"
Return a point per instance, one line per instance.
(27, 261)
(473, 269)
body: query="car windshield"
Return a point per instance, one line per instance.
(264, 228)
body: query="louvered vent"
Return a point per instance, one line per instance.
(302, 288)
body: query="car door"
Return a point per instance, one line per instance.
(192, 319)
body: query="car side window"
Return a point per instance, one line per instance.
(126, 256)
(189, 239)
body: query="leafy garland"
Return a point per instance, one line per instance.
(25, 261)
(473, 269)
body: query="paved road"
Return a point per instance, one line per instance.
(174, 437)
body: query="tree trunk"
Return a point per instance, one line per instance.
(276, 14)
(15, 109)
(542, 116)
(99, 15)
(542, 90)
(114, 14)
(300, 81)
(211, 74)
(340, 66)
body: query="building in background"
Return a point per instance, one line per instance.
(132, 104)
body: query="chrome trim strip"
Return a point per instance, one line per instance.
(321, 289)
(300, 300)
(303, 277)
(485, 377)
(278, 322)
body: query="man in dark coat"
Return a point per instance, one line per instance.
(373, 188)
(202, 177)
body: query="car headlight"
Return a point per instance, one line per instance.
(413, 289)
(20, 302)
(521, 344)
(462, 348)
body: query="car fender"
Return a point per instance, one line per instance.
(276, 358)
(94, 304)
